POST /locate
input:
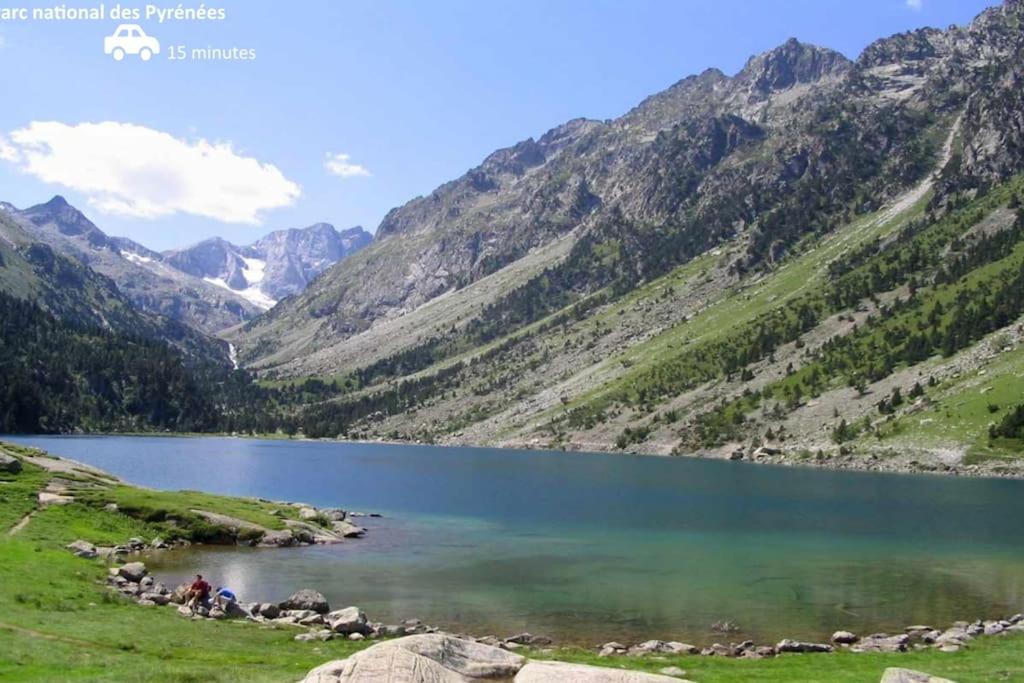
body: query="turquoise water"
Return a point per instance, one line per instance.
(588, 547)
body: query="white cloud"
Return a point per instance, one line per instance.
(339, 165)
(8, 152)
(132, 170)
(915, 4)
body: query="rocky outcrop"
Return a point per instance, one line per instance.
(443, 659)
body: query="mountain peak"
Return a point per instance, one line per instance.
(792, 63)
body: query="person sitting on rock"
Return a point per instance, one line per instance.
(198, 594)
(224, 597)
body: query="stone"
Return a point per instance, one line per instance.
(313, 619)
(308, 513)
(347, 529)
(9, 464)
(83, 549)
(46, 498)
(269, 610)
(348, 620)
(880, 642)
(611, 649)
(133, 571)
(677, 648)
(672, 671)
(111, 507)
(396, 631)
(307, 599)
(143, 602)
(278, 539)
(147, 582)
(897, 675)
(428, 657)
(159, 543)
(305, 637)
(155, 598)
(178, 594)
(334, 514)
(549, 672)
(787, 645)
(299, 614)
(529, 639)
(356, 636)
(844, 638)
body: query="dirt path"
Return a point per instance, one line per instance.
(32, 633)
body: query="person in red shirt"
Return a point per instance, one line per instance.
(198, 593)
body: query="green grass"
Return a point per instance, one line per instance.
(18, 493)
(157, 506)
(964, 408)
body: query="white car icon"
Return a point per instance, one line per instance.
(130, 39)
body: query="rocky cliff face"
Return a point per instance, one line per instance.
(786, 148)
(279, 265)
(139, 272)
(210, 286)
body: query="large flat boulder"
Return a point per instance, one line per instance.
(561, 672)
(898, 675)
(436, 658)
(430, 658)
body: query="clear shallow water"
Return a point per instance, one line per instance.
(588, 548)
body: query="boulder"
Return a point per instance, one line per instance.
(83, 549)
(347, 529)
(308, 513)
(429, 657)
(348, 620)
(307, 599)
(178, 594)
(880, 642)
(278, 539)
(896, 675)
(788, 645)
(10, 464)
(314, 619)
(133, 571)
(844, 638)
(334, 514)
(672, 671)
(548, 672)
(269, 610)
(528, 639)
(155, 598)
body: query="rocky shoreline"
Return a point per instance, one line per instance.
(309, 610)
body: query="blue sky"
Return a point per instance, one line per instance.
(413, 92)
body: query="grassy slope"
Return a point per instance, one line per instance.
(58, 623)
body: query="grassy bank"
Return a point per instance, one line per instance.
(58, 622)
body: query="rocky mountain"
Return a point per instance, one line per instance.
(211, 286)
(280, 264)
(64, 287)
(140, 273)
(631, 284)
